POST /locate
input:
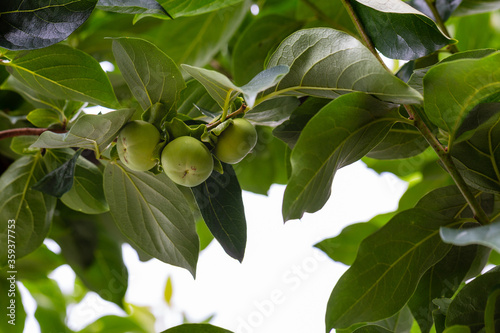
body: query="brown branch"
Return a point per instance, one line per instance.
(25, 131)
(231, 115)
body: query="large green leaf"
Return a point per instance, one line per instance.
(220, 203)
(34, 24)
(272, 112)
(328, 63)
(388, 267)
(454, 88)
(398, 30)
(62, 72)
(261, 37)
(488, 235)
(478, 158)
(153, 214)
(32, 210)
(87, 194)
(195, 99)
(132, 7)
(150, 74)
(468, 307)
(340, 134)
(196, 328)
(93, 132)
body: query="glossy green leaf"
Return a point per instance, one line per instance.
(93, 132)
(195, 99)
(62, 72)
(351, 125)
(153, 214)
(452, 89)
(398, 30)
(178, 8)
(220, 203)
(36, 24)
(264, 165)
(150, 74)
(487, 235)
(311, 53)
(402, 141)
(93, 253)
(272, 112)
(60, 180)
(87, 194)
(477, 158)
(261, 37)
(468, 306)
(344, 247)
(441, 280)
(469, 7)
(196, 328)
(31, 209)
(44, 117)
(290, 130)
(132, 7)
(390, 262)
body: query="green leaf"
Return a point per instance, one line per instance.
(402, 141)
(290, 130)
(311, 53)
(44, 117)
(153, 214)
(150, 74)
(60, 180)
(262, 81)
(38, 264)
(444, 7)
(36, 24)
(453, 89)
(167, 293)
(115, 324)
(132, 7)
(195, 99)
(264, 165)
(93, 132)
(196, 328)
(178, 8)
(87, 194)
(468, 306)
(272, 112)
(261, 37)
(487, 235)
(469, 7)
(441, 280)
(478, 158)
(344, 247)
(371, 329)
(398, 30)
(457, 329)
(33, 97)
(21, 144)
(351, 125)
(31, 209)
(62, 72)
(388, 267)
(220, 203)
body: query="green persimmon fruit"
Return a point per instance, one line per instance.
(236, 141)
(136, 144)
(187, 161)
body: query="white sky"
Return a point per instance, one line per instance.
(282, 285)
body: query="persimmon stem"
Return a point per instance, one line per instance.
(25, 131)
(231, 115)
(449, 165)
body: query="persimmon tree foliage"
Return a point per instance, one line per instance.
(304, 84)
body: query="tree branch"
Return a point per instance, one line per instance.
(231, 115)
(25, 131)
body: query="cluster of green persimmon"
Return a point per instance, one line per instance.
(186, 160)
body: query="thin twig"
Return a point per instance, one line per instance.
(439, 21)
(25, 131)
(231, 115)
